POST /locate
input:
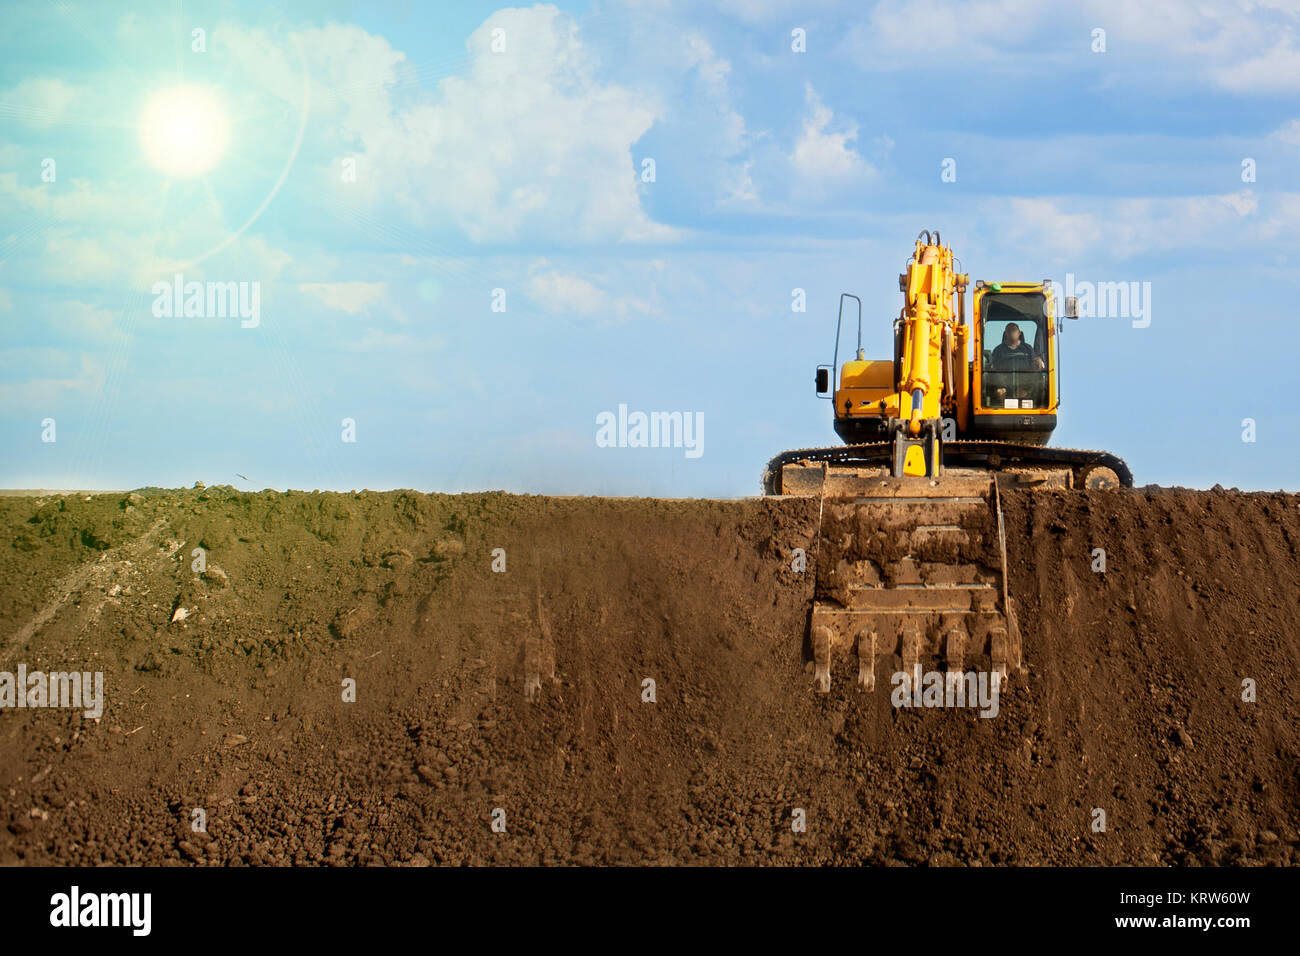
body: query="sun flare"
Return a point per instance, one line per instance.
(184, 130)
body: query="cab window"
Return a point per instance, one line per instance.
(1013, 334)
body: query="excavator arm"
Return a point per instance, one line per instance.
(927, 364)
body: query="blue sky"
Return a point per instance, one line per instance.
(520, 169)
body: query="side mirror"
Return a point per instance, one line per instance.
(823, 381)
(1071, 307)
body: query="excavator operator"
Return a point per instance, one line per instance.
(1015, 353)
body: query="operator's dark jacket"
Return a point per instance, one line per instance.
(1003, 354)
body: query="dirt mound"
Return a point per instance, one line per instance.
(661, 643)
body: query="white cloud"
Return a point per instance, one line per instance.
(1277, 70)
(1245, 46)
(766, 11)
(378, 340)
(562, 293)
(897, 32)
(1032, 220)
(78, 321)
(1124, 228)
(252, 257)
(1244, 203)
(528, 142)
(78, 201)
(45, 392)
(823, 158)
(39, 101)
(351, 297)
(719, 124)
(112, 259)
(558, 292)
(112, 234)
(1288, 133)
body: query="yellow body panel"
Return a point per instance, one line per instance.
(862, 385)
(867, 374)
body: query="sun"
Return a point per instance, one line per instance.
(184, 130)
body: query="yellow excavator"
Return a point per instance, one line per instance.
(911, 547)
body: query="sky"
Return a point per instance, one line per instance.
(465, 234)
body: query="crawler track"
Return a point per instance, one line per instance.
(991, 454)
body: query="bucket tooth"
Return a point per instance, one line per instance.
(867, 659)
(822, 639)
(1013, 636)
(1000, 651)
(911, 648)
(954, 654)
(954, 650)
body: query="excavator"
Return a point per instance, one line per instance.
(911, 559)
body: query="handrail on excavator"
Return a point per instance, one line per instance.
(835, 362)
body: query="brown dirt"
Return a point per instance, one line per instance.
(1131, 701)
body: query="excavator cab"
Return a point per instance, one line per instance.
(1014, 372)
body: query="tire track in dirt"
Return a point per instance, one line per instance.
(79, 580)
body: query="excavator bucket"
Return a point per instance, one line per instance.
(911, 574)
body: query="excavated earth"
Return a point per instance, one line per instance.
(1161, 691)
